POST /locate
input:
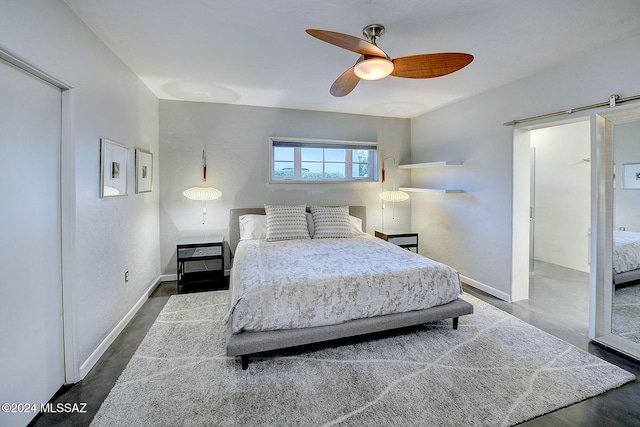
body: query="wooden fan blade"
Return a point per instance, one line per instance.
(430, 65)
(345, 83)
(347, 41)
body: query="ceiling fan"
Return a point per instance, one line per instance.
(374, 64)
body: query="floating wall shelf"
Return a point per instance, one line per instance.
(429, 165)
(430, 190)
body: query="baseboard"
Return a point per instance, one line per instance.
(110, 338)
(485, 288)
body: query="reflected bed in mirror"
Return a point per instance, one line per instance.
(626, 256)
(615, 288)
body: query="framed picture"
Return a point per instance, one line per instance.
(631, 176)
(144, 171)
(114, 167)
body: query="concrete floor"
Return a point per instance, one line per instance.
(558, 304)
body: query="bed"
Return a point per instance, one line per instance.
(626, 257)
(338, 286)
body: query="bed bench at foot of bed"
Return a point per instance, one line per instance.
(245, 344)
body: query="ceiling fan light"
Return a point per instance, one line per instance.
(373, 68)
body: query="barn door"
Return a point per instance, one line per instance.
(31, 323)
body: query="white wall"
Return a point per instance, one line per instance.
(111, 235)
(236, 139)
(472, 231)
(626, 150)
(563, 194)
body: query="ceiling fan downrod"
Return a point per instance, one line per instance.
(373, 32)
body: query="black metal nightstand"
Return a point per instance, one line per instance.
(404, 240)
(203, 250)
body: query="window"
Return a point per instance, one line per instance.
(304, 160)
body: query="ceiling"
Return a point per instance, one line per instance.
(256, 52)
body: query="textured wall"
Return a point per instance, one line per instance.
(112, 235)
(472, 231)
(236, 141)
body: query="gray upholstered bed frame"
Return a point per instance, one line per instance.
(626, 277)
(245, 344)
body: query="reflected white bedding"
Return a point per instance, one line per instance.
(307, 283)
(626, 251)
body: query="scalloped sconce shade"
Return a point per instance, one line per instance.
(202, 193)
(394, 196)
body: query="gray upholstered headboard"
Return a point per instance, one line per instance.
(235, 214)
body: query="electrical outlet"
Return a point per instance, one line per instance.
(126, 276)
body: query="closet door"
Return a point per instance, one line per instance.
(31, 334)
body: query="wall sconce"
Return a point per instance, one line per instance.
(394, 196)
(203, 193)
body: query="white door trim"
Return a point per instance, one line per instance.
(68, 215)
(521, 201)
(520, 214)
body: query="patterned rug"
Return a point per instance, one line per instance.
(494, 370)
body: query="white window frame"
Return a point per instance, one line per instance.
(298, 143)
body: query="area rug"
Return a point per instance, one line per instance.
(494, 370)
(625, 316)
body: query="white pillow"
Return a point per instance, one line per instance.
(286, 222)
(253, 227)
(331, 222)
(356, 225)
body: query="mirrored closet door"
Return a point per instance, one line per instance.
(615, 290)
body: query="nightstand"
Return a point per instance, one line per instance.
(404, 240)
(191, 250)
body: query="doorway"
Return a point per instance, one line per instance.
(551, 211)
(31, 312)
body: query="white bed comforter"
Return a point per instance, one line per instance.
(626, 251)
(305, 283)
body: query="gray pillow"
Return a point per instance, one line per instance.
(286, 222)
(331, 222)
